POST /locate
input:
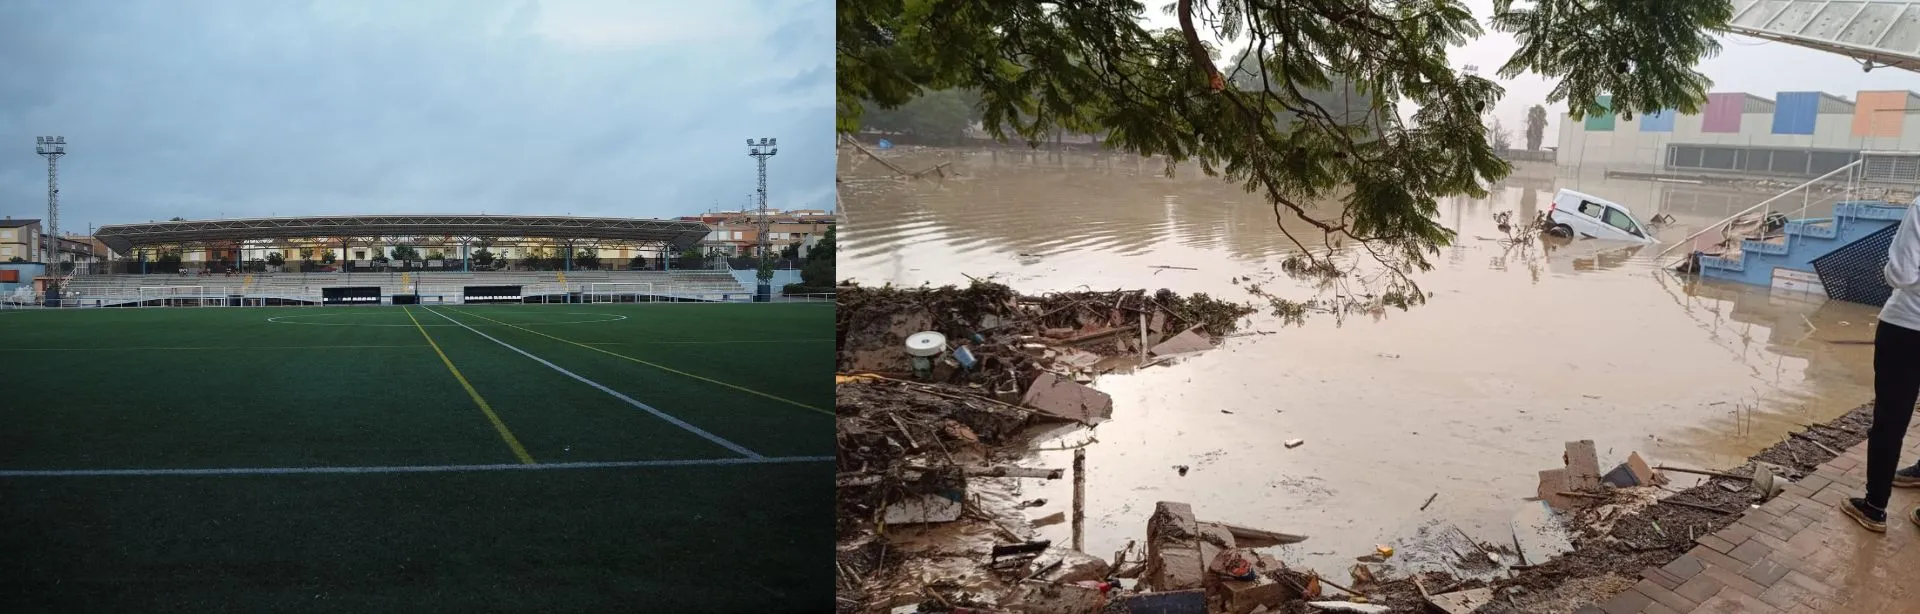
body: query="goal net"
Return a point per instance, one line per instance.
(619, 292)
(151, 292)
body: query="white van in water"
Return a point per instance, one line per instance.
(1574, 214)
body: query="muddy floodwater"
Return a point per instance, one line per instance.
(1469, 396)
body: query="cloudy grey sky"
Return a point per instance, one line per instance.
(209, 108)
(1743, 65)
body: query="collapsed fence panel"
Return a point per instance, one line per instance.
(1852, 273)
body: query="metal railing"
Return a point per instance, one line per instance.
(450, 295)
(1852, 186)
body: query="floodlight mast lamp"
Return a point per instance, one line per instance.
(52, 148)
(761, 150)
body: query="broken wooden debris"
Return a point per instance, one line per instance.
(1032, 548)
(1348, 606)
(1462, 602)
(923, 509)
(1716, 474)
(1004, 471)
(1539, 533)
(1643, 472)
(1187, 342)
(1051, 395)
(1552, 483)
(1249, 537)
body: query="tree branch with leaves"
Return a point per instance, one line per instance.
(1374, 180)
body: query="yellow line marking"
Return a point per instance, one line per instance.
(519, 451)
(657, 365)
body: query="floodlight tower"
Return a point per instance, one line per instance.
(761, 151)
(52, 147)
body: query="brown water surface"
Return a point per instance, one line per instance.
(1519, 350)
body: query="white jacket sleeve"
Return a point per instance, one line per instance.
(1903, 256)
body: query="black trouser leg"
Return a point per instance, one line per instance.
(1896, 384)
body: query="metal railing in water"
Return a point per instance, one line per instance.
(1851, 169)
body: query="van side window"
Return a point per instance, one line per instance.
(1592, 210)
(1619, 219)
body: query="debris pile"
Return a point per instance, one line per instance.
(935, 393)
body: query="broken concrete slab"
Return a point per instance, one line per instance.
(1174, 519)
(1187, 342)
(1174, 558)
(1063, 398)
(1540, 533)
(1583, 465)
(928, 508)
(1644, 472)
(1348, 606)
(1552, 483)
(1462, 602)
(1175, 565)
(1214, 540)
(1168, 602)
(1074, 566)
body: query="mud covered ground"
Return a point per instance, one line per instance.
(1615, 538)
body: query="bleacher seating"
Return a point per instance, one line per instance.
(299, 286)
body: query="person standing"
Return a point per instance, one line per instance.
(1896, 379)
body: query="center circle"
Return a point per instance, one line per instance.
(291, 319)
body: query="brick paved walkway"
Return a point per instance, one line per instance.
(1796, 553)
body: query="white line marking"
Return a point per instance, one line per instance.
(737, 448)
(269, 347)
(758, 460)
(279, 320)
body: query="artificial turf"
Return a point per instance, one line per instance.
(225, 388)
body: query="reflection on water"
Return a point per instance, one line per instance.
(1520, 349)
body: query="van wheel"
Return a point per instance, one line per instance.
(1562, 230)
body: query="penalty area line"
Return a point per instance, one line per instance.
(671, 419)
(703, 462)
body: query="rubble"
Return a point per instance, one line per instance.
(927, 517)
(905, 442)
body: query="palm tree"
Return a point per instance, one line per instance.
(1536, 127)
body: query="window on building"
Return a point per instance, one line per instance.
(1790, 162)
(1828, 161)
(6, 235)
(1719, 158)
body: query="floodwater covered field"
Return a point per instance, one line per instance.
(1520, 348)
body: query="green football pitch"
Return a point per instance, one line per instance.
(538, 458)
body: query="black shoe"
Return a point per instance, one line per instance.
(1873, 518)
(1907, 477)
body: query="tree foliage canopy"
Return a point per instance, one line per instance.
(938, 114)
(1096, 67)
